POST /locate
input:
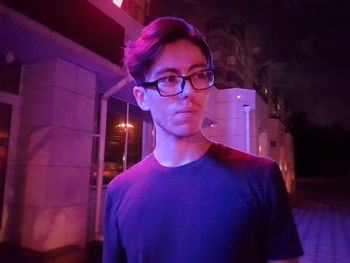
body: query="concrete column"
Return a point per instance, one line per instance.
(247, 109)
(50, 192)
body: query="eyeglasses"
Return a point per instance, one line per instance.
(173, 85)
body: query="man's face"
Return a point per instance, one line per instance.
(181, 115)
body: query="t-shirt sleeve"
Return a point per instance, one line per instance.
(113, 251)
(281, 236)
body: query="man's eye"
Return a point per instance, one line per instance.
(201, 75)
(169, 79)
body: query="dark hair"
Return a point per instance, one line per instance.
(140, 55)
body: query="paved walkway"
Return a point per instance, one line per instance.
(321, 209)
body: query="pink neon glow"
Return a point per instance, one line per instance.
(118, 2)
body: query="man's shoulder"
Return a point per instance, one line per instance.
(131, 175)
(261, 174)
(240, 159)
(251, 168)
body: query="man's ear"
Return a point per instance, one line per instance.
(141, 98)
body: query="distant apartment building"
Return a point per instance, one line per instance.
(249, 112)
(236, 64)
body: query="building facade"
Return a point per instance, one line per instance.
(56, 65)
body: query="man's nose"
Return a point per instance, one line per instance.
(187, 87)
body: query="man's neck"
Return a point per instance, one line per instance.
(173, 151)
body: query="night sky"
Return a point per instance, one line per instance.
(305, 43)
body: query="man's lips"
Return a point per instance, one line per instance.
(187, 110)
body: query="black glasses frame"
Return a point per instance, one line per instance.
(184, 78)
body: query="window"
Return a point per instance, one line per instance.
(5, 121)
(116, 129)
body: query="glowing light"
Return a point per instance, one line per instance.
(10, 57)
(212, 125)
(238, 96)
(118, 2)
(265, 90)
(122, 125)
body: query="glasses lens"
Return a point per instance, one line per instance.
(203, 79)
(170, 85)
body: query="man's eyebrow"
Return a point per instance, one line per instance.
(198, 65)
(175, 71)
(164, 70)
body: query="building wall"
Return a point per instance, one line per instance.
(232, 53)
(230, 117)
(52, 168)
(280, 148)
(47, 194)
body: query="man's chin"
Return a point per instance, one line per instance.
(187, 132)
(181, 129)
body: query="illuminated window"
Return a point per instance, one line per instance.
(116, 129)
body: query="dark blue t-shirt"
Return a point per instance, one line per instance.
(227, 206)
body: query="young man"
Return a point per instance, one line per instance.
(191, 200)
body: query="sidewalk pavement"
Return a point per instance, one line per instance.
(321, 209)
